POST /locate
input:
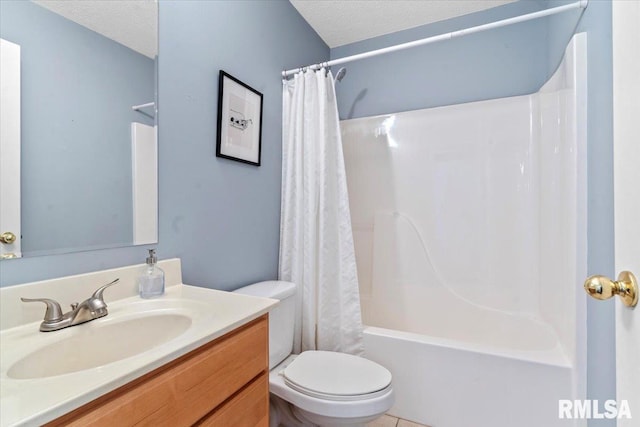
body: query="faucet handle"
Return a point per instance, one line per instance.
(53, 313)
(98, 293)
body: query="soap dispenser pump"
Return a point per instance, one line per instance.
(151, 281)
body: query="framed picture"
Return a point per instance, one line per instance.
(239, 121)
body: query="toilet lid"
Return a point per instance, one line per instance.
(336, 376)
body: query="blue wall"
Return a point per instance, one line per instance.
(601, 357)
(509, 61)
(502, 62)
(77, 91)
(221, 217)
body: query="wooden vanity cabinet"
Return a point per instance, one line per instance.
(223, 383)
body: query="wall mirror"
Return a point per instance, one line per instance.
(79, 148)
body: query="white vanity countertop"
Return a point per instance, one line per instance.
(37, 401)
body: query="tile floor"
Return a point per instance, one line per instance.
(389, 421)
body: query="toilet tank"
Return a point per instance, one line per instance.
(281, 317)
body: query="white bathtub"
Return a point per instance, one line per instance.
(444, 383)
(469, 228)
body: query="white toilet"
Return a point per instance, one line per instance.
(317, 387)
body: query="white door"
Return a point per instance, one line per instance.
(9, 150)
(626, 125)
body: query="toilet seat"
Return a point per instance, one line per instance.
(364, 407)
(336, 376)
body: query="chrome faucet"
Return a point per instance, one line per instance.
(89, 309)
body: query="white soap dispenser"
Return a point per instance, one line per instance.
(151, 281)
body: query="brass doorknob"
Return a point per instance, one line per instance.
(601, 287)
(7, 237)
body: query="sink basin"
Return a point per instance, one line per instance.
(97, 344)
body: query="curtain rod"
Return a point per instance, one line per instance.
(148, 104)
(581, 4)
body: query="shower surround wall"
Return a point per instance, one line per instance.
(470, 233)
(510, 61)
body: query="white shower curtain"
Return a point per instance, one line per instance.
(316, 240)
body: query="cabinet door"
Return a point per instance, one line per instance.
(212, 377)
(250, 408)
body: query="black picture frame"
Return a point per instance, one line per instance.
(239, 121)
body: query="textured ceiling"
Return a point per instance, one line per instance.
(131, 23)
(341, 22)
(338, 22)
